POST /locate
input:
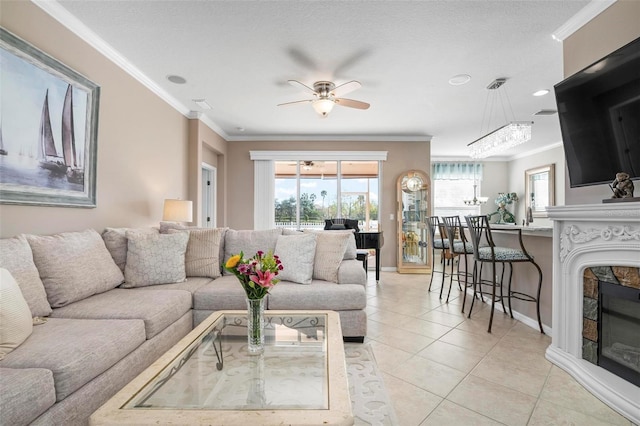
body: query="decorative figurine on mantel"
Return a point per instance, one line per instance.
(622, 186)
(504, 215)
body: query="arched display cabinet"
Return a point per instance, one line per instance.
(414, 207)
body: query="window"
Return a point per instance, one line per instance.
(316, 185)
(452, 184)
(308, 192)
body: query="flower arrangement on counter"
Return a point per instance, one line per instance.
(502, 201)
(256, 274)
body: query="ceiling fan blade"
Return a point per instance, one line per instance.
(304, 87)
(352, 103)
(345, 88)
(295, 102)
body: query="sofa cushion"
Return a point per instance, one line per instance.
(158, 309)
(222, 294)
(249, 242)
(296, 253)
(155, 259)
(352, 272)
(17, 258)
(202, 258)
(330, 248)
(115, 239)
(74, 265)
(318, 295)
(191, 284)
(15, 318)
(19, 404)
(76, 351)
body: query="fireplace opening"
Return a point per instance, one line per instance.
(619, 330)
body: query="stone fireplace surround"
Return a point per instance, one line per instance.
(586, 236)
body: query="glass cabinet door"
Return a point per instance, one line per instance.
(413, 211)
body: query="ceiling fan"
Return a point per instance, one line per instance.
(326, 94)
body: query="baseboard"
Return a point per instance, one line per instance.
(528, 321)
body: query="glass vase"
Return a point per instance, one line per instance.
(255, 326)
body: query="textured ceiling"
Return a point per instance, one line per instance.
(238, 55)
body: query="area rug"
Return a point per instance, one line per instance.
(370, 401)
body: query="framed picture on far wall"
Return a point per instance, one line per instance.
(48, 129)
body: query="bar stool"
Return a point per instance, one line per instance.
(479, 228)
(460, 247)
(441, 243)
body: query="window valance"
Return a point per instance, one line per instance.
(456, 170)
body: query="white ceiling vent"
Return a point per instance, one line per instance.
(546, 112)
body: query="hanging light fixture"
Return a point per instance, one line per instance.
(323, 106)
(507, 136)
(476, 200)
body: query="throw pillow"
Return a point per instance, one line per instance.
(155, 259)
(297, 253)
(74, 266)
(15, 317)
(249, 242)
(202, 258)
(330, 249)
(17, 258)
(352, 250)
(165, 228)
(116, 241)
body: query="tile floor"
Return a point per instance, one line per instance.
(441, 368)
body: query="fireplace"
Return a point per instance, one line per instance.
(595, 241)
(619, 330)
(611, 320)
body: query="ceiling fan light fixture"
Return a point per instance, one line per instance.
(323, 106)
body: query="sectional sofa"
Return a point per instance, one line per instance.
(89, 311)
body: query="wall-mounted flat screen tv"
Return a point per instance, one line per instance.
(599, 112)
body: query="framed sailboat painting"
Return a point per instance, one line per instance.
(48, 129)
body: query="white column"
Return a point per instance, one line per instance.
(264, 194)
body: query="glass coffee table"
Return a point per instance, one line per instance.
(209, 377)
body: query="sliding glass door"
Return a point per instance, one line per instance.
(308, 192)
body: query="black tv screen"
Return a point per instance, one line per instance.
(599, 112)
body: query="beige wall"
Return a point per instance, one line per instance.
(402, 156)
(516, 179)
(493, 182)
(612, 29)
(206, 146)
(142, 141)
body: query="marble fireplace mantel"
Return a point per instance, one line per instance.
(584, 236)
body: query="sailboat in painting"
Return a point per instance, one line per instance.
(75, 171)
(47, 154)
(2, 150)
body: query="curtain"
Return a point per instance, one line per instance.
(456, 170)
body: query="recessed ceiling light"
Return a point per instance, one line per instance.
(460, 79)
(541, 92)
(176, 79)
(202, 103)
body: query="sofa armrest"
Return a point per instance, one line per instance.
(352, 272)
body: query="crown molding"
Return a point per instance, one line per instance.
(330, 138)
(73, 24)
(586, 14)
(319, 155)
(536, 151)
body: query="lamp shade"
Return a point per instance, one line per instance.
(177, 211)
